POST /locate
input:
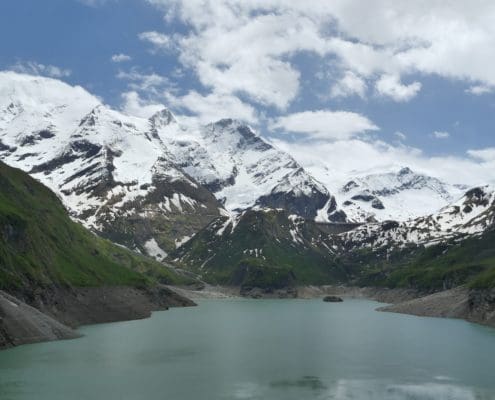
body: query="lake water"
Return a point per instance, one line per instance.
(260, 349)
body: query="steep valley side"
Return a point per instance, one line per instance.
(53, 271)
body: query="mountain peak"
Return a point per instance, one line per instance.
(233, 125)
(162, 118)
(225, 122)
(35, 91)
(405, 171)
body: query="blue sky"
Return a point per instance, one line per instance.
(415, 78)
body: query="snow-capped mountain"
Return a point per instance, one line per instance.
(472, 214)
(399, 195)
(110, 171)
(149, 184)
(243, 170)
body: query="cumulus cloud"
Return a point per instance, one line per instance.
(213, 107)
(487, 155)
(391, 86)
(441, 135)
(159, 41)
(324, 124)
(350, 85)
(478, 90)
(151, 83)
(35, 68)
(134, 105)
(227, 37)
(118, 58)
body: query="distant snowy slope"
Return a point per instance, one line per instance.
(397, 193)
(400, 195)
(472, 214)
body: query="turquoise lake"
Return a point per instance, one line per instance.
(260, 349)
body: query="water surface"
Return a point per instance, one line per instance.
(260, 349)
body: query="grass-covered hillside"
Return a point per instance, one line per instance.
(263, 247)
(272, 248)
(40, 245)
(446, 265)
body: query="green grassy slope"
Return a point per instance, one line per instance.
(443, 266)
(262, 250)
(262, 240)
(40, 245)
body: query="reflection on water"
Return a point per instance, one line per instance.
(312, 387)
(308, 382)
(260, 350)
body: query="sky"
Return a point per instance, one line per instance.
(351, 85)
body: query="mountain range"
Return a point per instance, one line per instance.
(219, 199)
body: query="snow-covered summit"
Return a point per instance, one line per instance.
(399, 195)
(243, 170)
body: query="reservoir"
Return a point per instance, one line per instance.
(260, 349)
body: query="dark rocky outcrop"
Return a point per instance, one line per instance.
(332, 299)
(268, 293)
(304, 205)
(92, 305)
(21, 324)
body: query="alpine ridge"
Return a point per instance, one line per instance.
(148, 184)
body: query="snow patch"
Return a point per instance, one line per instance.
(153, 250)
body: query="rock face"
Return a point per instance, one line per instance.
(472, 305)
(22, 324)
(93, 305)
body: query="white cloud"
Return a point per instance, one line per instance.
(330, 162)
(351, 84)
(441, 135)
(134, 105)
(247, 45)
(34, 68)
(487, 154)
(400, 135)
(158, 40)
(213, 107)
(148, 82)
(324, 124)
(118, 58)
(478, 90)
(391, 86)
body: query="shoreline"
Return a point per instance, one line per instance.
(54, 313)
(475, 306)
(382, 295)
